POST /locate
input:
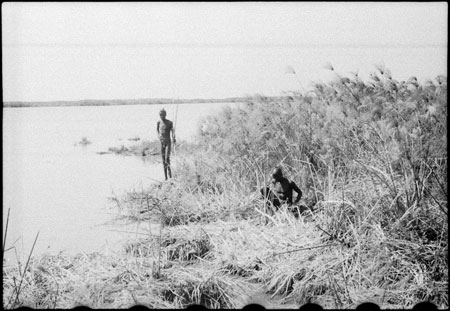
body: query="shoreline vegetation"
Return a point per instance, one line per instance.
(116, 102)
(145, 148)
(371, 160)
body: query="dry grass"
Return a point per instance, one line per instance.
(217, 263)
(195, 285)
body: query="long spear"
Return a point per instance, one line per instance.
(175, 124)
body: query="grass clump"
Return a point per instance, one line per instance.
(84, 142)
(182, 245)
(122, 150)
(183, 201)
(188, 250)
(192, 286)
(161, 203)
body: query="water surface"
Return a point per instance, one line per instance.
(59, 188)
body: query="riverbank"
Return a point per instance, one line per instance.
(218, 250)
(377, 234)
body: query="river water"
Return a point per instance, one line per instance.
(59, 188)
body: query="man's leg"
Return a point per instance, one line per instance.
(168, 160)
(163, 155)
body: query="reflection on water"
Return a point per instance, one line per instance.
(59, 188)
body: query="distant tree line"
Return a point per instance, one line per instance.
(94, 102)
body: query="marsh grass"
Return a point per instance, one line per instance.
(351, 249)
(14, 298)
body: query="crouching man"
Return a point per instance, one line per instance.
(280, 191)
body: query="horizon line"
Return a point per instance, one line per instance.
(135, 99)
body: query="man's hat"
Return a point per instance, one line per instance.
(162, 112)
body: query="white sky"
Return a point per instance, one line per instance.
(73, 51)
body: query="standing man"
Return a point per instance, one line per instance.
(163, 128)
